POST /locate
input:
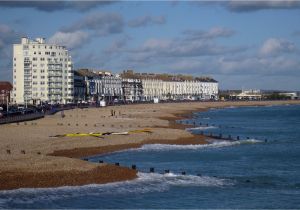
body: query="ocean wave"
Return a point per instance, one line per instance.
(145, 183)
(201, 128)
(213, 144)
(172, 179)
(206, 118)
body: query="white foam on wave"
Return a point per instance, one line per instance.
(230, 107)
(213, 144)
(206, 118)
(145, 183)
(171, 179)
(201, 128)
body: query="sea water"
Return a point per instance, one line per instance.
(245, 173)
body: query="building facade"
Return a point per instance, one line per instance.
(101, 85)
(175, 87)
(79, 88)
(132, 89)
(5, 92)
(42, 73)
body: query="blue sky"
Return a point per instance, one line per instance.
(242, 44)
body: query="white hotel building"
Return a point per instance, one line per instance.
(41, 73)
(175, 87)
(197, 89)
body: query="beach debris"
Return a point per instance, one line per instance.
(99, 135)
(183, 173)
(8, 151)
(151, 170)
(23, 151)
(117, 164)
(133, 167)
(100, 161)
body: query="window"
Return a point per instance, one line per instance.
(34, 59)
(34, 77)
(42, 77)
(34, 53)
(42, 59)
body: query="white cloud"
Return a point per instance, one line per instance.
(254, 5)
(69, 39)
(147, 20)
(274, 46)
(212, 33)
(101, 23)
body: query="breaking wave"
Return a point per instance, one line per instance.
(145, 183)
(201, 128)
(213, 144)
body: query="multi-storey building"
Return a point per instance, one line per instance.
(132, 89)
(5, 91)
(41, 73)
(79, 88)
(176, 87)
(101, 85)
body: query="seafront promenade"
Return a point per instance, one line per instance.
(32, 157)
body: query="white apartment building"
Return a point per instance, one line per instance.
(101, 85)
(41, 73)
(155, 88)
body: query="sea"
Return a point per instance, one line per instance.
(260, 170)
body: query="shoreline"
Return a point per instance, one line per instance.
(59, 166)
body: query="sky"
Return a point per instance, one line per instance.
(242, 44)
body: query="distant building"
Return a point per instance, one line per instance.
(132, 89)
(41, 73)
(247, 95)
(5, 92)
(175, 87)
(291, 95)
(101, 85)
(79, 88)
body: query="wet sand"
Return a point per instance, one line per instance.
(31, 158)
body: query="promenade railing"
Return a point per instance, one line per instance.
(21, 118)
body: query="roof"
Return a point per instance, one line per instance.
(93, 73)
(165, 77)
(86, 73)
(4, 85)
